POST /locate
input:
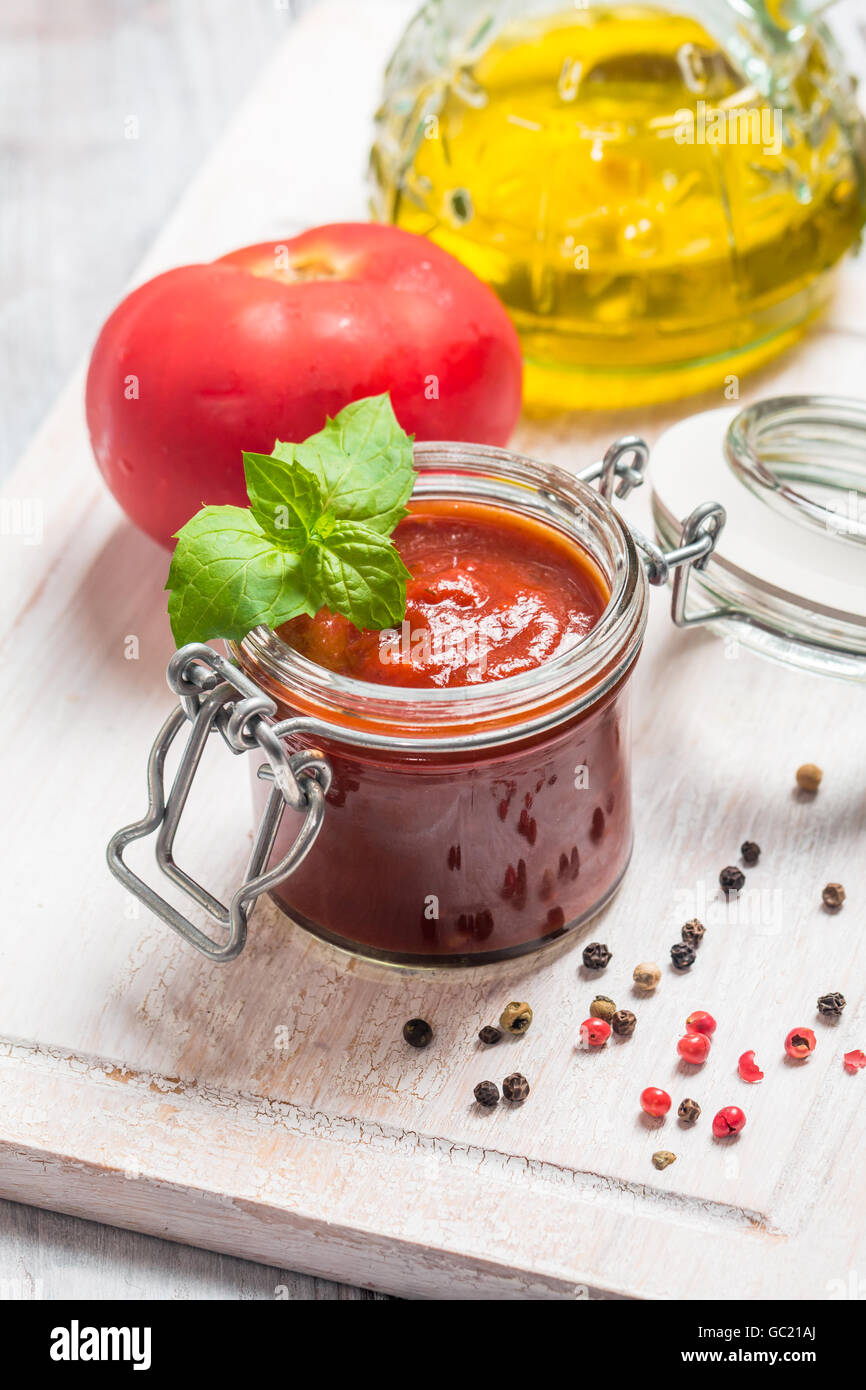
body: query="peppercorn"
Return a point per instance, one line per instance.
(833, 896)
(682, 955)
(731, 879)
(655, 1102)
(602, 1007)
(487, 1093)
(596, 956)
(515, 1087)
(663, 1158)
(515, 1017)
(800, 1043)
(728, 1121)
(750, 851)
(418, 1032)
(831, 1004)
(809, 777)
(693, 932)
(490, 1035)
(623, 1023)
(646, 976)
(594, 1032)
(689, 1111)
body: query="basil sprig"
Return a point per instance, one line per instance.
(317, 534)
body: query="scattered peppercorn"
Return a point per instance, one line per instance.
(749, 1069)
(663, 1158)
(831, 1004)
(418, 1032)
(683, 955)
(800, 1042)
(728, 1121)
(515, 1087)
(596, 956)
(655, 1101)
(646, 976)
(515, 1017)
(490, 1035)
(854, 1061)
(809, 777)
(693, 932)
(602, 1007)
(731, 879)
(694, 1048)
(689, 1111)
(701, 1022)
(594, 1032)
(623, 1023)
(750, 851)
(833, 896)
(487, 1093)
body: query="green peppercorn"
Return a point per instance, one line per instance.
(623, 1023)
(663, 1158)
(490, 1035)
(487, 1093)
(831, 1005)
(418, 1032)
(602, 1007)
(515, 1017)
(515, 1087)
(693, 932)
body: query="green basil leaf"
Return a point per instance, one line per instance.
(285, 498)
(358, 573)
(227, 577)
(363, 462)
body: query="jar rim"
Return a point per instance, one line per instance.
(541, 697)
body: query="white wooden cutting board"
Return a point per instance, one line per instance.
(269, 1107)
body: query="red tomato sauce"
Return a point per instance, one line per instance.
(492, 594)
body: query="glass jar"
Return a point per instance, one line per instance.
(657, 192)
(478, 822)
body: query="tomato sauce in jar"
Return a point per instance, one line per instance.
(480, 803)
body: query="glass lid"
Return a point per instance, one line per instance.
(788, 575)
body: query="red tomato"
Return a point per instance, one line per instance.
(208, 360)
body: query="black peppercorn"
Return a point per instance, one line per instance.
(682, 955)
(623, 1023)
(486, 1093)
(750, 851)
(731, 879)
(689, 1111)
(831, 1004)
(515, 1087)
(418, 1032)
(833, 896)
(693, 932)
(490, 1035)
(596, 956)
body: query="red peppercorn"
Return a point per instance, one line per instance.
(749, 1069)
(694, 1048)
(701, 1022)
(800, 1042)
(594, 1032)
(728, 1121)
(654, 1101)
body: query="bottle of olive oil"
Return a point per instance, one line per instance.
(656, 192)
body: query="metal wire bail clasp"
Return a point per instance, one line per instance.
(215, 694)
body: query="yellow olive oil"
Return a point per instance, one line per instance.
(652, 224)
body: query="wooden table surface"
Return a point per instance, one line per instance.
(87, 202)
(81, 204)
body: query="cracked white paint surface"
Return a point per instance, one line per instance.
(269, 1107)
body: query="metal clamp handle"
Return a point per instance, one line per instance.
(623, 468)
(208, 687)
